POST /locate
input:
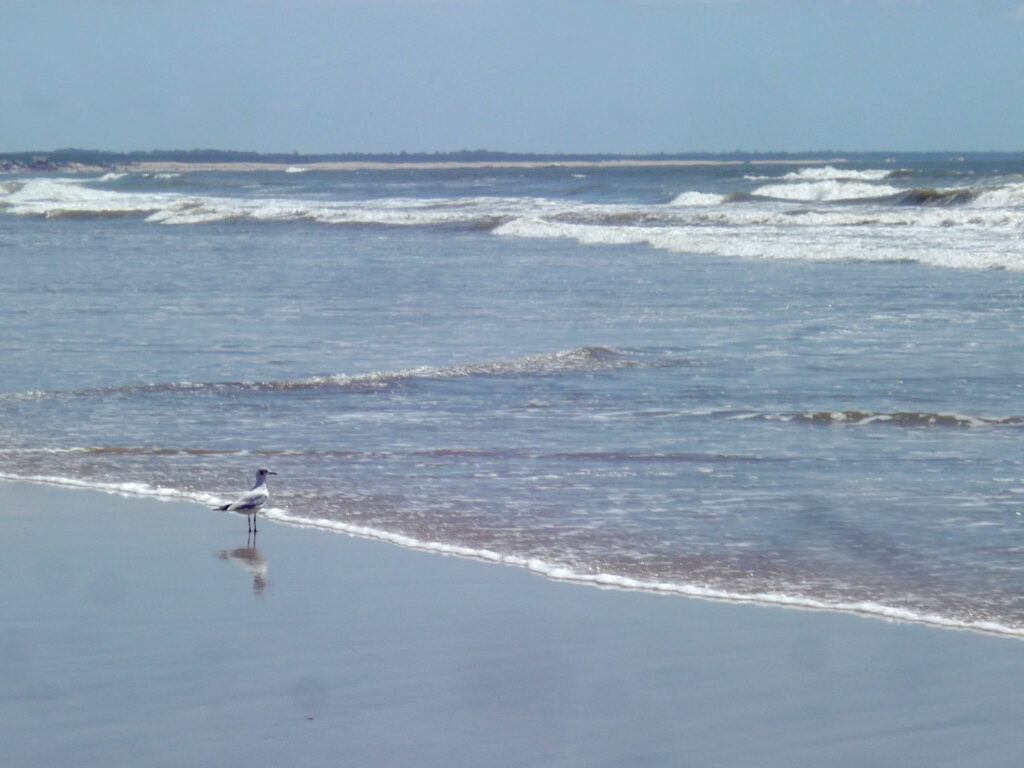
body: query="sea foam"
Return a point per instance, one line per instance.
(828, 190)
(839, 215)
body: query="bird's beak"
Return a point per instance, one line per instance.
(271, 472)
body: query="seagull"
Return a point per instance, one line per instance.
(252, 500)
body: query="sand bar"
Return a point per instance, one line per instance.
(361, 165)
(135, 632)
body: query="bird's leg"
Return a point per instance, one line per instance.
(254, 522)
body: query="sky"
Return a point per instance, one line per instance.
(540, 76)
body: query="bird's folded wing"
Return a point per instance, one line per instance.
(250, 500)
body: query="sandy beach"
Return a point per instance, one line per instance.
(137, 632)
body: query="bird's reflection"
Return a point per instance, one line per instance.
(250, 559)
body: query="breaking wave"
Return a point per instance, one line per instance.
(828, 173)
(71, 198)
(699, 199)
(814, 214)
(895, 419)
(924, 196)
(828, 190)
(992, 245)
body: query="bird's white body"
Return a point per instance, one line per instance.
(250, 502)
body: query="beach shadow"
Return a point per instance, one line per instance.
(249, 559)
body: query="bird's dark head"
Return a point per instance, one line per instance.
(263, 472)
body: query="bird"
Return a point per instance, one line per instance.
(252, 500)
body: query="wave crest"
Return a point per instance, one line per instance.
(582, 360)
(895, 419)
(63, 198)
(699, 199)
(570, 361)
(828, 173)
(829, 190)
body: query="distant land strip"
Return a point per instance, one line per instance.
(369, 165)
(164, 161)
(180, 161)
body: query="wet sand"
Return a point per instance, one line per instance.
(137, 632)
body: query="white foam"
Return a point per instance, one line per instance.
(979, 235)
(389, 212)
(984, 240)
(120, 489)
(698, 199)
(829, 190)
(64, 197)
(68, 197)
(1009, 196)
(613, 581)
(827, 173)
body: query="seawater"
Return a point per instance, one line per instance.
(798, 384)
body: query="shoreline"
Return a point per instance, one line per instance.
(175, 166)
(546, 571)
(126, 624)
(361, 165)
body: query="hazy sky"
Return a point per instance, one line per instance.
(516, 75)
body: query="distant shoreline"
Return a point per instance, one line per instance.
(82, 161)
(371, 165)
(296, 166)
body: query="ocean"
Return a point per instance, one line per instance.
(797, 383)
